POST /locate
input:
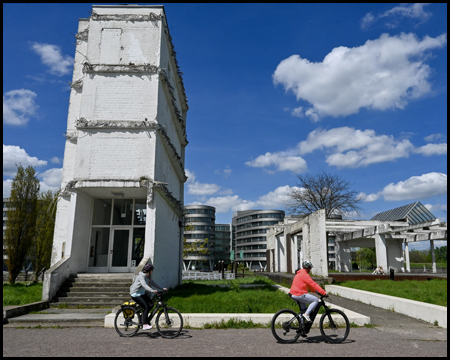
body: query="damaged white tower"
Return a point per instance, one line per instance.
(121, 204)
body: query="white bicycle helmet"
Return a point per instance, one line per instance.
(307, 264)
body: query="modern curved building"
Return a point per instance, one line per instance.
(250, 228)
(199, 235)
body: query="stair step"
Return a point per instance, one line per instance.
(92, 293)
(104, 304)
(92, 290)
(83, 299)
(95, 289)
(92, 284)
(99, 281)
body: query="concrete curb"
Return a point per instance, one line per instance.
(18, 310)
(200, 319)
(415, 309)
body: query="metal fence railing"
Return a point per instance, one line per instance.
(197, 275)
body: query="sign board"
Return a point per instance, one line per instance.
(241, 255)
(232, 255)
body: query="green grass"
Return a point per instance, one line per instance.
(20, 294)
(197, 297)
(427, 265)
(432, 291)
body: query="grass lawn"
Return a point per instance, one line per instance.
(197, 297)
(431, 291)
(20, 294)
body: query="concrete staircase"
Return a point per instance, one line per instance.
(94, 290)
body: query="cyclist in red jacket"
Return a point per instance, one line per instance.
(299, 290)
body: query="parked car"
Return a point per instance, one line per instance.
(205, 269)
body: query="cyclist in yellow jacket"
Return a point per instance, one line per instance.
(299, 290)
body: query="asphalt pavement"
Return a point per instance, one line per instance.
(391, 334)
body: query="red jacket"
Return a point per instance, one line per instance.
(303, 282)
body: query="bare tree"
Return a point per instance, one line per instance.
(21, 223)
(323, 191)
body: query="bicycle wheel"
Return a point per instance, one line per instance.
(169, 322)
(334, 326)
(285, 326)
(127, 321)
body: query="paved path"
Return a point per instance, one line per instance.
(83, 342)
(393, 335)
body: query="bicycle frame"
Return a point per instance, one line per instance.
(159, 304)
(307, 326)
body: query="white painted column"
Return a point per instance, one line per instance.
(408, 266)
(380, 251)
(433, 257)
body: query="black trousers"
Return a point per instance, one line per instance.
(144, 301)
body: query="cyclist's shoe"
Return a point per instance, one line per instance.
(307, 318)
(302, 334)
(146, 327)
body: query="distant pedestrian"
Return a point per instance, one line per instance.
(378, 271)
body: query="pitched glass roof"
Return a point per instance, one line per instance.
(414, 213)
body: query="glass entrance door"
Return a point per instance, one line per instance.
(120, 251)
(117, 235)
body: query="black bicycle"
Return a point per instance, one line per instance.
(287, 325)
(129, 318)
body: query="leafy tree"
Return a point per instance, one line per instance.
(20, 227)
(323, 191)
(367, 257)
(441, 254)
(418, 256)
(41, 248)
(196, 248)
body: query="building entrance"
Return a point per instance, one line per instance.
(117, 235)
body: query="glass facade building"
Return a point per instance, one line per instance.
(250, 229)
(199, 237)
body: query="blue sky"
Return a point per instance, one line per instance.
(274, 90)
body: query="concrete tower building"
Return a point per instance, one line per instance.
(121, 204)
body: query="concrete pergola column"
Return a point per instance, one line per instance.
(433, 257)
(408, 266)
(380, 250)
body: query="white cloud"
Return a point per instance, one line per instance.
(433, 137)
(197, 188)
(297, 112)
(273, 200)
(378, 75)
(55, 160)
(416, 187)
(190, 175)
(51, 178)
(52, 57)
(13, 155)
(432, 149)
(393, 16)
(225, 172)
(436, 207)
(365, 148)
(283, 160)
(276, 199)
(18, 106)
(200, 189)
(7, 188)
(229, 203)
